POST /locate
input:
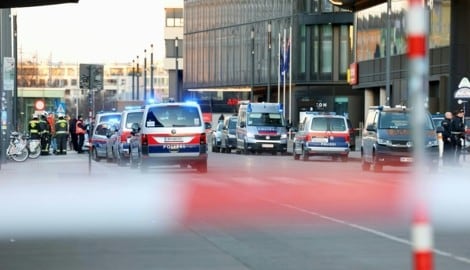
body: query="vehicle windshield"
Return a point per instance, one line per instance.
(399, 120)
(173, 116)
(232, 123)
(328, 124)
(111, 118)
(133, 117)
(265, 119)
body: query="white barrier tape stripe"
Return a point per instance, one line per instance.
(422, 237)
(417, 21)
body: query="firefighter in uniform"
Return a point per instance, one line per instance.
(45, 132)
(33, 128)
(61, 134)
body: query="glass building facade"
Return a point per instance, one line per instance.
(370, 54)
(234, 47)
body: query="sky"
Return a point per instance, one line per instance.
(92, 31)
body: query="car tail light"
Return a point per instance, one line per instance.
(144, 140)
(308, 138)
(203, 138)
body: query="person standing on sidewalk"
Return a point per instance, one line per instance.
(61, 132)
(73, 135)
(45, 132)
(457, 131)
(446, 124)
(33, 128)
(80, 131)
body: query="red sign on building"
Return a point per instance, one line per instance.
(353, 72)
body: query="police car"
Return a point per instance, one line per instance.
(171, 133)
(323, 134)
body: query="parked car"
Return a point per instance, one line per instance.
(108, 117)
(387, 140)
(229, 131)
(322, 134)
(120, 138)
(100, 146)
(216, 137)
(171, 133)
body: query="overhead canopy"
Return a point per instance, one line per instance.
(31, 3)
(356, 5)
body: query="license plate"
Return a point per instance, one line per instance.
(266, 145)
(320, 140)
(173, 139)
(406, 159)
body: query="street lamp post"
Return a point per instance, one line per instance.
(461, 101)
(133, 79)
(145, 75)
(138, 82)
(269, 62)
(176, 67)
(252, 63)
(152, 94)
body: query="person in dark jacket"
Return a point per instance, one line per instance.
(73, 135)
(80, 130)
(45, 132)
(33, 128)
(457, 130)
(447, 137)
(61, 132)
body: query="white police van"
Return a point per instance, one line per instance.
(172, 133)
(261, 127)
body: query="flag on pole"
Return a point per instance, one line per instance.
(281, 63)
(287, 58)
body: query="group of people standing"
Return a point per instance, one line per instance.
(453, 135)
(55, 133)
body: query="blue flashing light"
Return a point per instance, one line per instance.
(248, 108)
(281, 107)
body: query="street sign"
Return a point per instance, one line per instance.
(464, 89)
(91, 76)
(39, 105)
(60, 108)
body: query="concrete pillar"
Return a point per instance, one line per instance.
(382, 96)
(368, 101)
(5, 96)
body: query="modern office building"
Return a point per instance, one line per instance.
(449, 51)
(173, 35)
(236, 50)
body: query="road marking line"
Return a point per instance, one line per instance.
(373, 231)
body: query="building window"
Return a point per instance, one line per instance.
(326, 48)
(174, 17)
(344, 51)
(170, 48)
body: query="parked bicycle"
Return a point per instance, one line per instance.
(34, 147)
(18, 148)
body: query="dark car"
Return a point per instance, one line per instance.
(229, 133)
(387, 138)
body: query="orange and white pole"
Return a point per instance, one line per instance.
(422, 240)
(417, 39)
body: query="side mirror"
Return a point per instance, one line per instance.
(135, 128)
(371, 127)
(207, 125)
(242, 124)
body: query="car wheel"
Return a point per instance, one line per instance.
(94, 155)
(304, 155)
(202, 166)
(365, 166)
(296, 156)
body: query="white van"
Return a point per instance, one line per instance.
(261, 127)
(172, 133)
